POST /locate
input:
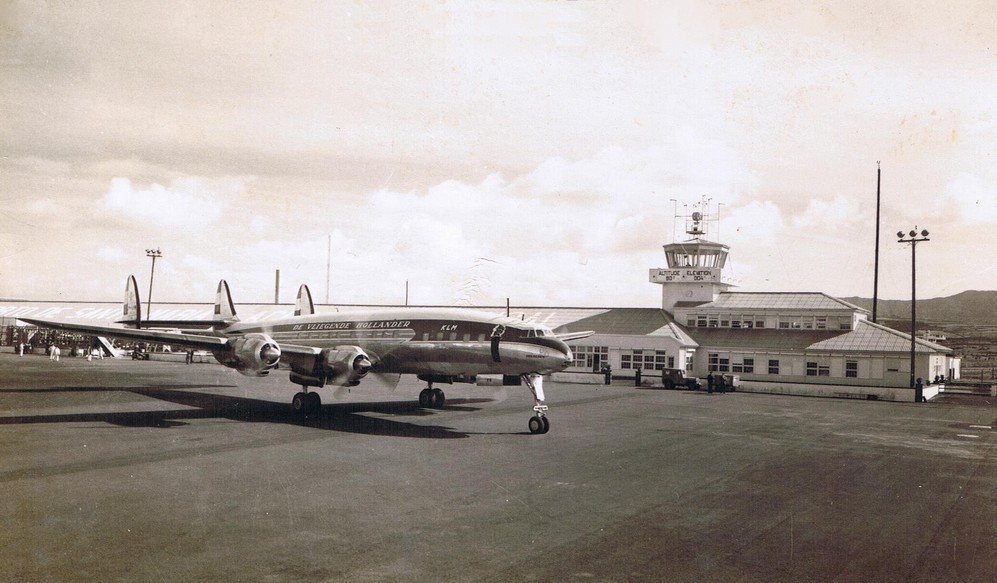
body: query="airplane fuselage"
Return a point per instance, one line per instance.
(426, 341)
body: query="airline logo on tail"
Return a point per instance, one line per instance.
(132, 307)
(224, 308)
(304, 306)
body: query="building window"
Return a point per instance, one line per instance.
(714, 321)
(724, 323)
(701, 321)
(821, 323)
(689, 362)
(714, 361)
(745, 365)
(690, 322)
(816, 369)
(759, 323)
(852, 368)
(671, 362)
(845, 325)
(585, 356)
(724, 365)
(773, 367)
(645, 359)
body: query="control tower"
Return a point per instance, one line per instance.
(694, 268)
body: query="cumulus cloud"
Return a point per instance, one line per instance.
(187, 202)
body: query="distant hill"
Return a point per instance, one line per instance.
(969, 308)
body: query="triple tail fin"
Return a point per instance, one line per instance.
(304, 306)
(224, 308)
(132, 308)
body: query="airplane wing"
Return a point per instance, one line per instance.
(569, 336)
(204, 342)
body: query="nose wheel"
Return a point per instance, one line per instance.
(539, 424)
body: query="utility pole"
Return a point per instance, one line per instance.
(155, 254)
(914, 240)
(875, 277)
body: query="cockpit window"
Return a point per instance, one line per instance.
(539, 332)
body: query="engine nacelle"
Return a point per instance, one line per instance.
(252, 355)
(345, 365)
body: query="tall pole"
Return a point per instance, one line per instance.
(914, 240)
(875, 277)
(154, 253)
(328, 267)
(913, 316)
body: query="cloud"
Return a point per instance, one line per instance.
(111, 254)
(974, 199)
(188, 202)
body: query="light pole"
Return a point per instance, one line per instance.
(913, 238)
(154, 253)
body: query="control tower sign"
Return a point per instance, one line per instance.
(686, 274)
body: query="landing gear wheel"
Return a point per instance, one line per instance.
(425, 398)
(300, 402)
(437, 398)
(539, 425)
(314, 402)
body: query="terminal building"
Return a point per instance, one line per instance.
(786, 342)
(805, 343)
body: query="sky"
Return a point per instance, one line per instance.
(479, 151)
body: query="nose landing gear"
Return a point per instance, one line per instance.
(539, 424)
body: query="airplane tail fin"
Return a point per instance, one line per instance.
(224, 308)
(132, 308)
(304, 306)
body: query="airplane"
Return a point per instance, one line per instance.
(438, 345)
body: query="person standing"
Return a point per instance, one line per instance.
(709, 382)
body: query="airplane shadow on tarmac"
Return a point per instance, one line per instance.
(345, 417)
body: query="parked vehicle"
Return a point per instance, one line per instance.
(673, 378)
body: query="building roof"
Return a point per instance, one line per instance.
(627, 321)
(809, 301)
(760, 338)
(866, 337)
(871, 337)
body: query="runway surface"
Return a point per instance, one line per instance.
(118, 470)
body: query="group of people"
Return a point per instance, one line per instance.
(719, 382)
(54, 351)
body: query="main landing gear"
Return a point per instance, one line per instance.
(305, 403)
(539, 423)
(431, 398)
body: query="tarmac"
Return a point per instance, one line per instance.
(120, 470)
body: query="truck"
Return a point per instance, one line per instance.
(673, 378)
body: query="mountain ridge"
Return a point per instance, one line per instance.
(969, 308)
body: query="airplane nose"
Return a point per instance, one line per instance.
(568, 358)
